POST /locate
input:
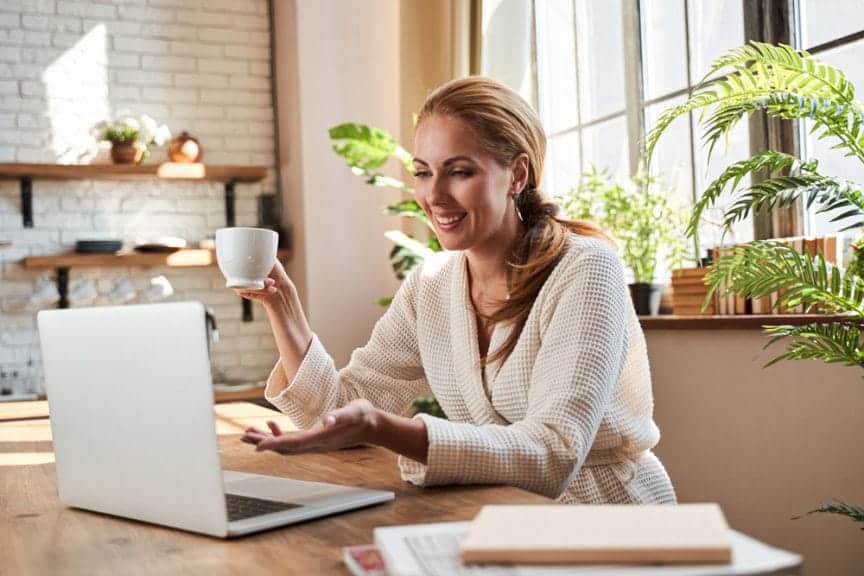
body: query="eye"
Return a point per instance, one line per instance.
(421, 174)
(461, 173)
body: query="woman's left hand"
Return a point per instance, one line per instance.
(350, 425)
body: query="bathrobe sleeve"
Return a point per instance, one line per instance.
(387, 371)
(581, 355)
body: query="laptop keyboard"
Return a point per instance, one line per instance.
(242, 507)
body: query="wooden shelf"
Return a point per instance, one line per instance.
(228, 174)
(167, 171)
(188, 258)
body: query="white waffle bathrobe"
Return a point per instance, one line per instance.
(569, 413)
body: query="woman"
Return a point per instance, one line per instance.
(522, 329)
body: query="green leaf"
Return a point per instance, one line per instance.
(760, 268)
(778, 79)
(638, 213)
(830, 342)
(854, 513)
(361, 146)
(767, 161)
(409, 209)
(407, 252)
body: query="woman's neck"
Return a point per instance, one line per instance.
(487, 264)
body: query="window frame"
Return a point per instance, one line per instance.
(772, 21)
(796, 23)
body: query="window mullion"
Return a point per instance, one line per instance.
(633, 83)
(771, 21)
(580, 144)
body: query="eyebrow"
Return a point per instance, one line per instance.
(449, 161)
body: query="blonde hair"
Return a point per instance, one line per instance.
(505, 127)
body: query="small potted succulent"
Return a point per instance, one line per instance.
(130, 137)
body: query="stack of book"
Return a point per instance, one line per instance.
(550, 540)
(689, 289)
(689, 292)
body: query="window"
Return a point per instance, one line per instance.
(832, 30)
(596, 110)
(581, 88)
(603, 71)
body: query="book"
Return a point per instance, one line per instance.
(692, 311)
(592, 534)
(690, 300)
(434, 549)
(829, 252)
(684, 273)
(690, 288)
(364, 560)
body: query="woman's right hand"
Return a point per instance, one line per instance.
(287, 320)
(277, 286)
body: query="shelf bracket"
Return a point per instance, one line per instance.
(27, 201)
(63, 287)
(229, 203)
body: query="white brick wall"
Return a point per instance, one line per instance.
(196, 65)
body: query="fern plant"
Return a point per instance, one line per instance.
(791, 85)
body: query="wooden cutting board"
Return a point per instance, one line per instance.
(609, 534)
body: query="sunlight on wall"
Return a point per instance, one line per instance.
(76, 89)
(26, 458)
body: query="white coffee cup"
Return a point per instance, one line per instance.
(246, 256)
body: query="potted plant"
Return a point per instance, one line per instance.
(366, 150)
(130, 137)
(792, 85)
(641, 216)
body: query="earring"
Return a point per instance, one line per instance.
(516, 206)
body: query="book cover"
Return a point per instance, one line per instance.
(586, 534)
(364, 560)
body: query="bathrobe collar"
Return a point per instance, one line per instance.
(465, 347)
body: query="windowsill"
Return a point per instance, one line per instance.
(743, 322)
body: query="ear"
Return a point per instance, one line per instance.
(519, 172)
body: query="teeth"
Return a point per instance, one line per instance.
(450, 220)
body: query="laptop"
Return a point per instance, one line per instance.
(131, 402)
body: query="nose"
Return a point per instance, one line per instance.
(437, 192)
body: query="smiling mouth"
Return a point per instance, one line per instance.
(449, 221)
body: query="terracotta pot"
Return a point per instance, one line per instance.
(126, 152)
(185, 148)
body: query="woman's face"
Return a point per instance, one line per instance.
(465, 192)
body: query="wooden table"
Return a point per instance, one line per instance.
(40, 536)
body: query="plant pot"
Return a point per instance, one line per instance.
(646, 298)
(184, 149)
(126, 152)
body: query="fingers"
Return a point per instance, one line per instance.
(258, 295)
(254, 436)
(292, 443)
(274, 428)
(315, 439)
